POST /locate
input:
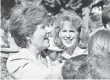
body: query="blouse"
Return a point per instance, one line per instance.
(25, 66)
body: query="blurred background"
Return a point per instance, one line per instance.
(92, 21)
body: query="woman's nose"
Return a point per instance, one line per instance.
(67, 35)
(49, 31)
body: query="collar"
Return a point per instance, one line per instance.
(77, 51)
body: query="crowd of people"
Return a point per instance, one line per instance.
(56, 39)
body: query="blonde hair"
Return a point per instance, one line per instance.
(99, 42)
(99, 52)
(70, 16)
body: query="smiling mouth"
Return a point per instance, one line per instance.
(46, 39)
(68, 41)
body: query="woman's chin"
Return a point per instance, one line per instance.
(67, 44)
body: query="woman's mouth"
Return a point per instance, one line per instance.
(46, 40)
(68, 41)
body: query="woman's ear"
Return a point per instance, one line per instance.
(108, 26)
(60, 34)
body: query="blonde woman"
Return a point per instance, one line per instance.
(99, 54)
(70, 34)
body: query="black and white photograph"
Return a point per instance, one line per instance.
(55, 39)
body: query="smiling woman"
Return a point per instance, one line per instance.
(68, 34)
(70, 25)
(28, 27)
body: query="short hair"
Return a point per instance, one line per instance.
(24, 21)
(99, 51)
(106, 16)
(76, 68)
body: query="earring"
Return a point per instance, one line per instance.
(29, 40)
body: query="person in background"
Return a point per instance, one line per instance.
(70, 25)
(95, 21)
(107, 3)
(99, 54)
(53, 51)
(52, 6)
(106, 17)
(25, 3)
(29, 28)
(76, 68)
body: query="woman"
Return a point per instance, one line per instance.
(99, 54)
(70, 25)
(28, 27)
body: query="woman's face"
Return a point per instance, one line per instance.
(40, 37)
(68, 34)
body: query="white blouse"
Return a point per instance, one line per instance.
(25, 66)
(77, 51)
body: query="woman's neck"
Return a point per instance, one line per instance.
(33, 50)
(70, 50)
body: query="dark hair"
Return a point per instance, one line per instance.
(106, 16)
(76, 68)
(56, 6)
(78, 5)
(24, 21)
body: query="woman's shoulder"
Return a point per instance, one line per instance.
(20, 57)
(23, 65)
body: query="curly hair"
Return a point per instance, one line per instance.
(70, 16)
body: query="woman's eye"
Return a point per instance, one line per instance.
(57, 28)
(43, 27)
(72, 31)
(64, 31)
